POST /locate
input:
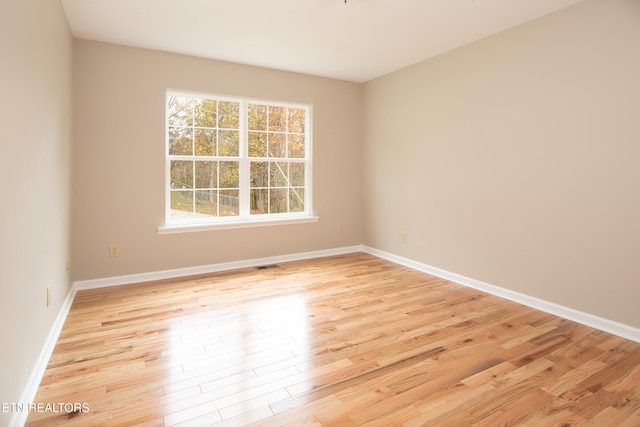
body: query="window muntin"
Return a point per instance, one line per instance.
(235, 159)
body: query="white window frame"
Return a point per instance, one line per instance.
(244, 219)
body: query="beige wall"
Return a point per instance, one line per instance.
(35, 123)
(516, 160)
(119, 161)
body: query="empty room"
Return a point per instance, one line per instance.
(320, 212)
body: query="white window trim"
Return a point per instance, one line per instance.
(244, 220)
(239, 223)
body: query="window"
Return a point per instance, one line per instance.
(236, 160)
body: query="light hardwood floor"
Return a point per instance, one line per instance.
(339, 341)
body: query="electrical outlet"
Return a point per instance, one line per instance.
(48, 298)
(341, 229)
(114, 251)
(67, 266)
(403, 237)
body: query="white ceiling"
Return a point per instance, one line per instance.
(356, 41)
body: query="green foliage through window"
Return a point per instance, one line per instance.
(235, 158)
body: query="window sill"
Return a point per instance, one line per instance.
(199, 227)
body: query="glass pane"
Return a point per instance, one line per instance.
(204, 113)
(296, 174)
(181, 204)
(296, 200)
(206, 174)
(180, 141)
(296, 146)
(228, 176)
(229, 203)
(259, 174)
(278, 200)
(279, 174)
(277, 145)
(257, 144)
(208, 131)
(228, 115)
(179, 111)
(206, 202)
(296, 120)
(257, 117)
(259, 201)
(181, 174)
(228, 143)
(277, 119)
(205, 142)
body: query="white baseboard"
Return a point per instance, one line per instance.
(30, 389)
(206, 269)
(619, 329)
(587, 319)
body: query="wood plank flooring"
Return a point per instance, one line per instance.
(349, 340)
